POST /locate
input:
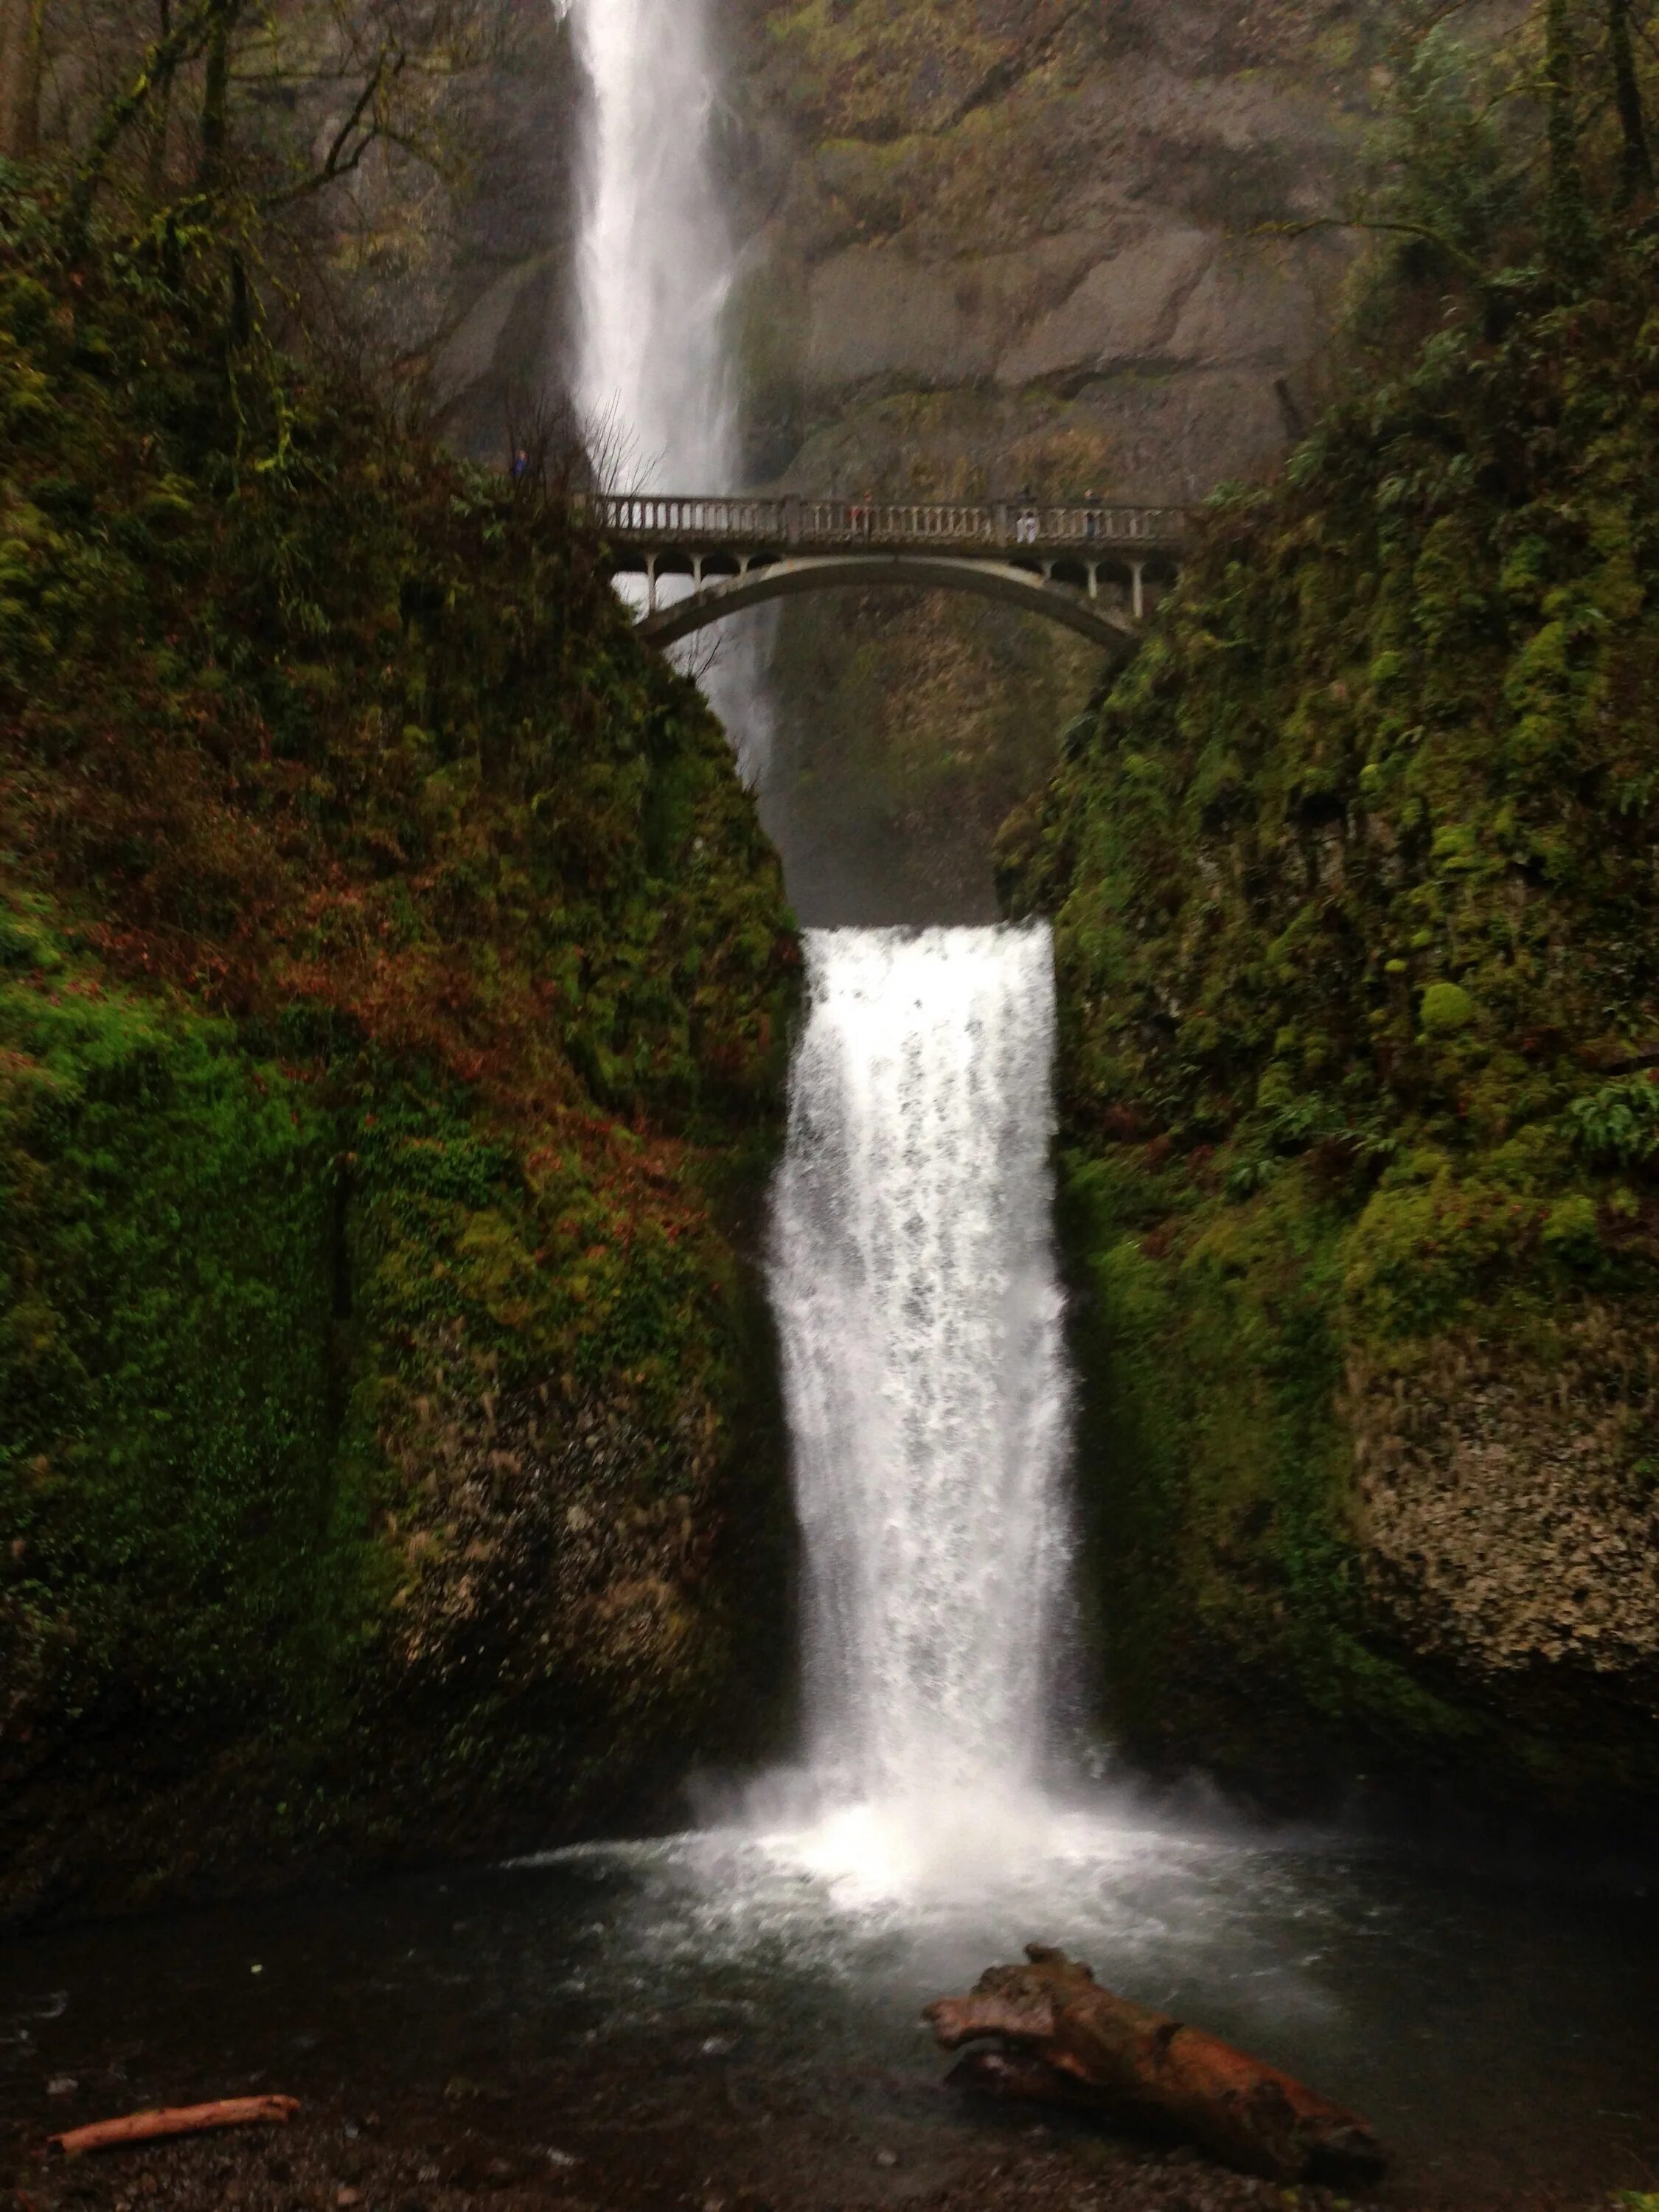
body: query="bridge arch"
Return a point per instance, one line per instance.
(1055, 600)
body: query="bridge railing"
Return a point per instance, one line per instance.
(852, 522)
(696, 520)
(665, 520)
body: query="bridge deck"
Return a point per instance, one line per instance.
(672, 523)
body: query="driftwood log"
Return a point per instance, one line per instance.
(1059, 2038)
(176, 2120)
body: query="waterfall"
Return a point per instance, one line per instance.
(913, 1270)
(915, 1279)
(657, 260)
(657, 257)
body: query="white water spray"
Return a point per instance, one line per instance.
(915, 1280)
(657, 263)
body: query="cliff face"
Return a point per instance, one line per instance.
(394, 993)
(996, 245)
(1353, 883)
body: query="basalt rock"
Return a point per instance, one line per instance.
(1352, 882)
(990, 246)
(395, 992)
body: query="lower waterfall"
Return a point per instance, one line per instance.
(913, 1277)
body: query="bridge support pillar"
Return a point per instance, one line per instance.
(651, 582)
(1094, 579)
(1138, 571)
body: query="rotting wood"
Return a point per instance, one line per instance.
(1060, 2038)
(176, 2120)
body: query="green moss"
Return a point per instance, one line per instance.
(1447, 1008)
(1392, 729)
(393, 976)
(164, 1379)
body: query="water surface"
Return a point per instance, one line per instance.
(1502, 2036)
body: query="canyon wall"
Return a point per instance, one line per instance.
(999, 244)
(395, 995)
(1352, 877)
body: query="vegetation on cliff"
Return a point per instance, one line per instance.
(1353, 875)
(394, 988)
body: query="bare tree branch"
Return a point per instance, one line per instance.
(187, 39)
(1427, 232)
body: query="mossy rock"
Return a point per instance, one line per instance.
(396, 991)
(1357, 1043)
(1447, 1009)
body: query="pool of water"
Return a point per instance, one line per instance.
(1501, 2033)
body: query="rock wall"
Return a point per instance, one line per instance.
(997, 244)
(395, 991)
(1353, 876)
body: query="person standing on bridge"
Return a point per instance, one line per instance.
(1026, 532)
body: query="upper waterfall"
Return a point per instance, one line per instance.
(653, 383)
(656, 253)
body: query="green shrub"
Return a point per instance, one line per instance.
(1618, 1124)
(1447, 1009)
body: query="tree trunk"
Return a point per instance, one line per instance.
(160, 124)
(23, 29)
(1062, 2039)
(1566, 217)
(201, 26)
(1636, 170)
(216, 109)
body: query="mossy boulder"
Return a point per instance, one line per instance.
(1447, 1008)
(1359, 946)
(395, 993)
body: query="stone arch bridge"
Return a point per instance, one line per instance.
(1094, 569)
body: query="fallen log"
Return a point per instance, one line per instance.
(1060, 2038)
(176, 2120)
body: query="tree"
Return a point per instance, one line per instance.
(22, 30)
(274, 83)
(1636, 167)
(1567, 232)
(215, 109)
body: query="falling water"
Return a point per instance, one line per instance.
(658, 262)
(915, 1279)
(657, 255)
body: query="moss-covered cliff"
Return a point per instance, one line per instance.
(394, 987)
(1354, 882)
